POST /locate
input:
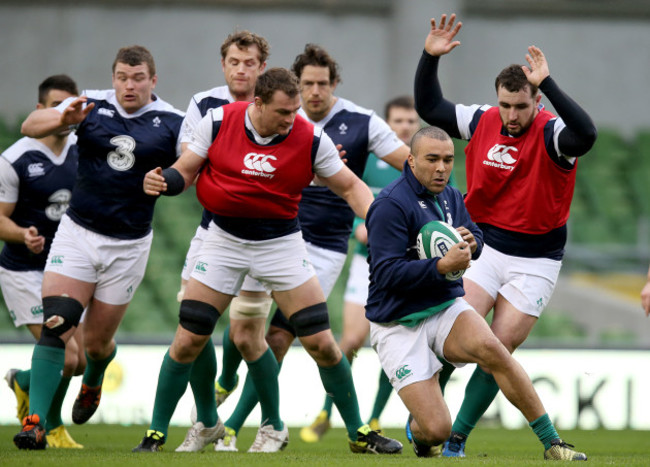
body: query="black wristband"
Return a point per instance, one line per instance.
(175, 182)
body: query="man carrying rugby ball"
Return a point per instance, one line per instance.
(416, 313)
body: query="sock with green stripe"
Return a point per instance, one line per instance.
(544, 429)
(172, 384)
(383, 393)
(264, 376)
(94, 374)
(54, 415)
(204, 371)
(47, 367)
(245, 405)
(22, 378)
(445, 373)
(338, 383)
(231, 360)
(480, 391)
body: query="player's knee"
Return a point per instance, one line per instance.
(60, 314)
(279, 341)
(433, 430)
(492, 353)
(351, 342)
(198, 317)
(244, 307)
(310, 320)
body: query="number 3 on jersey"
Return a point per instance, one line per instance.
(122, 158)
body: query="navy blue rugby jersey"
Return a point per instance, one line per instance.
(198, 107)
(326, 219)
(40, 184)
(116, 150)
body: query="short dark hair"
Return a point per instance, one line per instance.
(134, 55)
(58, 82)
(243, 40)
(315, 55)
(403, 102)
(513, 79)
(276, 79)
(432, 132)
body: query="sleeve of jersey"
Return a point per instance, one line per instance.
(327, 161)
(206, 132)
(430, 104)
(382, 140)
(388, 243)
(9, 182)
(63, 105)
(191, 120)
(579, 135)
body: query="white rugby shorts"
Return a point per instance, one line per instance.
(356, 290)
(278, 264)
(527, 283)
(22, 293)
(115, 265)
(327, 265)
(193, 252)
(408, 354)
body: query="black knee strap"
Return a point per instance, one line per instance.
(281, 321)
(68, 310)
(198, 317)
(310, 320)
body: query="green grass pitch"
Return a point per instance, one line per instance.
(110, 445)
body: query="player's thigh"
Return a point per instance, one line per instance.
(305, 295)
(22, 294)
(510, 325)
(283, 266)
(223, 262)
(123, 266)
(71, 266)
(470, 340)
(101, 323)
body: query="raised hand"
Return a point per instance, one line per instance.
(538, 70)
(440, 40)
(76, 112)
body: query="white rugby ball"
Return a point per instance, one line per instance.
(434, 241)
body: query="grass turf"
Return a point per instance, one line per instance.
(111, 445)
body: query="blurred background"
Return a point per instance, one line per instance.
(598, 52)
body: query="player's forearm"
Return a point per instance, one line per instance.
(10, 232)
(42, 122)
(429, 101)
(580, 132)
(359, 197)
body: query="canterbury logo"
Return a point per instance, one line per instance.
(499, 156)
(402, 372)
(259, 165)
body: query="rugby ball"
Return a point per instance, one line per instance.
(434, 241)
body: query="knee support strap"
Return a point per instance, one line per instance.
(244, 307)
(60, 314)
(281, 321)
(198, 317)
(310, 320)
